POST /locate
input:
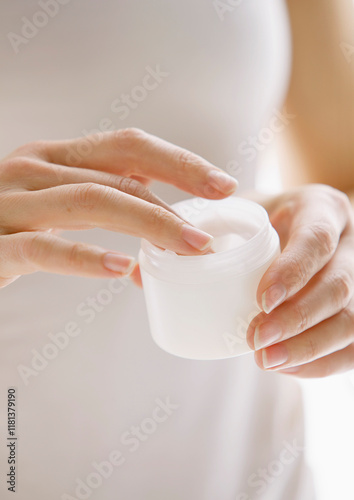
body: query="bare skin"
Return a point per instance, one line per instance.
(312, 310)
(41, 193)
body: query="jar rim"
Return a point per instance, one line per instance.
(244, 258)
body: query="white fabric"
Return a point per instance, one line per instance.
(226, 76)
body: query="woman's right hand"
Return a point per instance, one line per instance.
(47, 186)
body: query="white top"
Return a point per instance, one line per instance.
(172, 428)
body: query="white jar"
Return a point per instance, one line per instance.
(199, 307)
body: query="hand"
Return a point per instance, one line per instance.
(307, 294)
(46, 186)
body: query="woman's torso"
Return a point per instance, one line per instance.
(220, 75)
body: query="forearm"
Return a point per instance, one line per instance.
(321, 94)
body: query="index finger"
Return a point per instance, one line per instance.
(134, 152)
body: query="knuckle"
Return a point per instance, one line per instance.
(127, 138)
(186, 160)
(311, 349)
(302, 315)
(341, 288)
(158, 217)
(89, 196)
(325, 239)
(58, 173)
(35, 248)
(76, 255)
(24, 172)
(132, 187)
(295, 270)
(15, 167)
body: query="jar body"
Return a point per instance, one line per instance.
(203, 316)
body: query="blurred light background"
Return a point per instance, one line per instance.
(36, 102)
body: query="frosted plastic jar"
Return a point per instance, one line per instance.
(199, 307)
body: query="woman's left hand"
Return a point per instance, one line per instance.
(307, 294)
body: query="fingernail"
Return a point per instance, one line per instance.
(273, 297)
(266, 334)
(222, 182)
(274, 356)
(196, 238)
(119, 263)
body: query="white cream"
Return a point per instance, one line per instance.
(228, 233)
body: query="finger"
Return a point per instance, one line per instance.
(33, 174)
(327, 293)
(338, 362)
(133, 152)
(316, 224)
(333, 334)
(24, 253)
(78, 206)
